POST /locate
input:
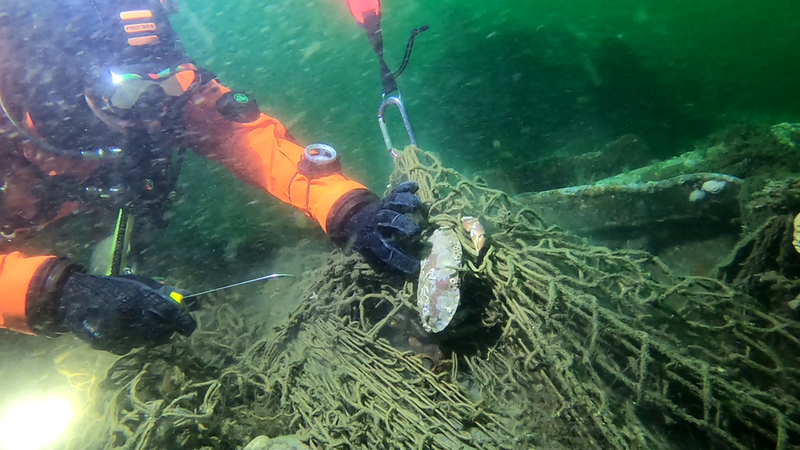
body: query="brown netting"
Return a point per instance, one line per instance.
(560, 344)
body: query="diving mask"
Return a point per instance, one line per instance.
(129, 95)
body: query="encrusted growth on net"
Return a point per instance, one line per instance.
(594, 349)
(634, 351)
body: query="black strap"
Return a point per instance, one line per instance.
(372, 23)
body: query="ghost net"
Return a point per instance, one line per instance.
(560, 344)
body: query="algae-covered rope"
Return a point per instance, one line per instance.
(580, 346)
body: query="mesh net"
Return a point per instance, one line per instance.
(561, 344)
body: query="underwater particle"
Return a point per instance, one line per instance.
(697, 195)
(591, 70)
(476, 232)
(714, 186)
(310, 51)
(796, 234)
(438, 292)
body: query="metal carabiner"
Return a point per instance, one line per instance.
(397, 101)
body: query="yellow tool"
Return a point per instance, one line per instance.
(179, 298)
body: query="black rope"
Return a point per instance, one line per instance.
(409, 47)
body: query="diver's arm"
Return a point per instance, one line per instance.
(49, 295)
(257, 149)
(17, 275)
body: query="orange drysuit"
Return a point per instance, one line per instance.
(257, 152)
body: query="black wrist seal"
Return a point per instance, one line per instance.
(344, 210)
(43, 304)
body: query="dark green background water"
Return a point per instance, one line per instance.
(494, 81)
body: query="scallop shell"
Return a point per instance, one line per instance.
(475, 230)
(438, 293)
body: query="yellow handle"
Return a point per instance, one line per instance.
(177, 297)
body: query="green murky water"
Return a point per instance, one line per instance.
(535, 77)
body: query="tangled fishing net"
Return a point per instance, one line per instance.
(560, 345)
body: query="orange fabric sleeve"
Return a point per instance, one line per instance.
(16, 273)
(260, 154)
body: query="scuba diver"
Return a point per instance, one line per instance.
(99, 103)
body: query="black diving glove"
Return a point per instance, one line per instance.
(370, 224)
(118, 314)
